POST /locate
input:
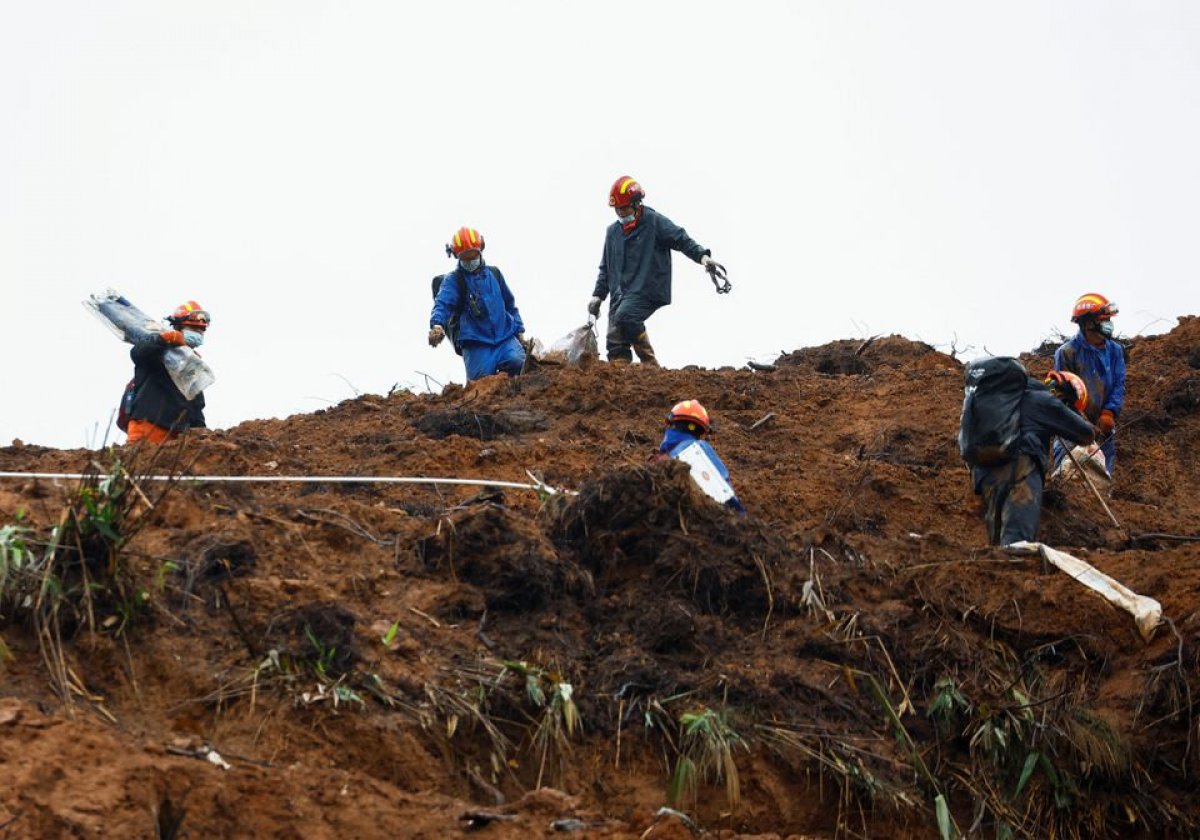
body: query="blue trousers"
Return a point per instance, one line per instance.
(485, 359)
(1012, 500)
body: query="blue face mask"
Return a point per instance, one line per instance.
(194, 338)
(627, 220)
(472, 265)
(1105, 329)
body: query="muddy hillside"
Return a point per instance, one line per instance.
(210, 659)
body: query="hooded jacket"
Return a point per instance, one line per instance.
(638, 263)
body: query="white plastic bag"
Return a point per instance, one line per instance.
(189, 372)
(1091, 458)
(578, 348)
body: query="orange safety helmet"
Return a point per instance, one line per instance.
(1093, 305)
(465, 239)
(625, 191)
(1059, 381)
(692, 412)
(190, 314)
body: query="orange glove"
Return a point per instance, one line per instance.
(1107, 422)
(173, 337)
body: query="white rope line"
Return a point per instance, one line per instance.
(303, 479)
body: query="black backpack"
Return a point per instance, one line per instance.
(125, 407)
(464, 299)
(990, 430)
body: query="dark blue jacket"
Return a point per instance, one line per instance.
(490, 314)
(156, 398)
(1102, 370)
(1043, 416)
(639, 262)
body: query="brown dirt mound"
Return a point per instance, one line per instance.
(416, 661)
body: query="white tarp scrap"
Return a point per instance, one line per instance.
(705, 473)
(1146, 612)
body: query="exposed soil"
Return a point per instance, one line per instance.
(391, 660)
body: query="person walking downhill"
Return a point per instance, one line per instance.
(635, 269)
(474, 305)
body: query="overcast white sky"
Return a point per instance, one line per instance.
(936, 169)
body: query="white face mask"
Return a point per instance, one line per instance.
(194, 338)
(624, 220)
(1106, 328)
(472, 265)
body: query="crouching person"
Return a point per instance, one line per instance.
(476, 308)
(1012, 488)
(687, 426)
(159, 411)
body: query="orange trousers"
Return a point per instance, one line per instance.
(140, 430)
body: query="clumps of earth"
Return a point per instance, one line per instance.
(627, 659)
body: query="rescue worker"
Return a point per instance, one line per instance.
(159, 410)
(687, 424)
(476, 304)
(635, 269)
(1099, 361)
(1012, 490)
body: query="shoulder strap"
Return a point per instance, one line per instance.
(499, 276)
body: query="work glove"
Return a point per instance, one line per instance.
(436, 334)
(594, 307)
(523, 341)
(194, 338)
(1106, 423)
(717, 272)
(173, 337)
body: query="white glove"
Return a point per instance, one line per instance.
(436, 335)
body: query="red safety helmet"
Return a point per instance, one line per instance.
(690, 411)
(625, 191)
(1066, 384)
(191, 315)
(465, 239)
(1093, 305)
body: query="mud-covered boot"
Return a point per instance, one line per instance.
(645, 352)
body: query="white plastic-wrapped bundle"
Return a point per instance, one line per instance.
(1091, 459)
(188, 371)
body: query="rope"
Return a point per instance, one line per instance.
(303, 479)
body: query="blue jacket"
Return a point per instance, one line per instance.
(1102, 370)
(674, 441)
(639, 262)
(490, 316)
